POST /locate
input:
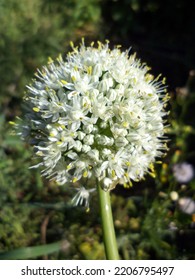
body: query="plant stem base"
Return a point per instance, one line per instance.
(109, 237)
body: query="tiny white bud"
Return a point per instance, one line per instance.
(174, 196)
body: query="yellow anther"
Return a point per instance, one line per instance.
(158, 77)
(35, 109)
(75, 179)
(83, 40)
(152, 174)
(128, 163)
(59, 58)
(149, 77)
(165, 145)
(164, 81)
(125, 124)
(52, 134)
(89, 70)
(50, 60)
(72, 44)
(73, 78)
(166, 97)
(113, 173)
(151, 166)
(68, 167)
(85, 174)
(99, 45)
(63, 82)
(125, 185)
(130, 184)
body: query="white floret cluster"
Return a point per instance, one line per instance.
(98, 113)
(183, 172)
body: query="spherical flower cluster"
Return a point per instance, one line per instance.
(96, 114)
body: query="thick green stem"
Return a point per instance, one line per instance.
(110, 244)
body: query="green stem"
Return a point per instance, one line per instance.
(110, 244)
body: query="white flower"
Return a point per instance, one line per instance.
(187, 205)
(183, 172)
(82, 197)
(96, 114)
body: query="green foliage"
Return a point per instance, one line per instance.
(31, 252)
(30, 31)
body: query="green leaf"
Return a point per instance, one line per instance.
(32, 252)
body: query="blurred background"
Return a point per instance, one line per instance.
(155, 219)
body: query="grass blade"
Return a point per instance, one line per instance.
(33, 252)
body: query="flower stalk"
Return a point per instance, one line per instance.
(109, 237)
